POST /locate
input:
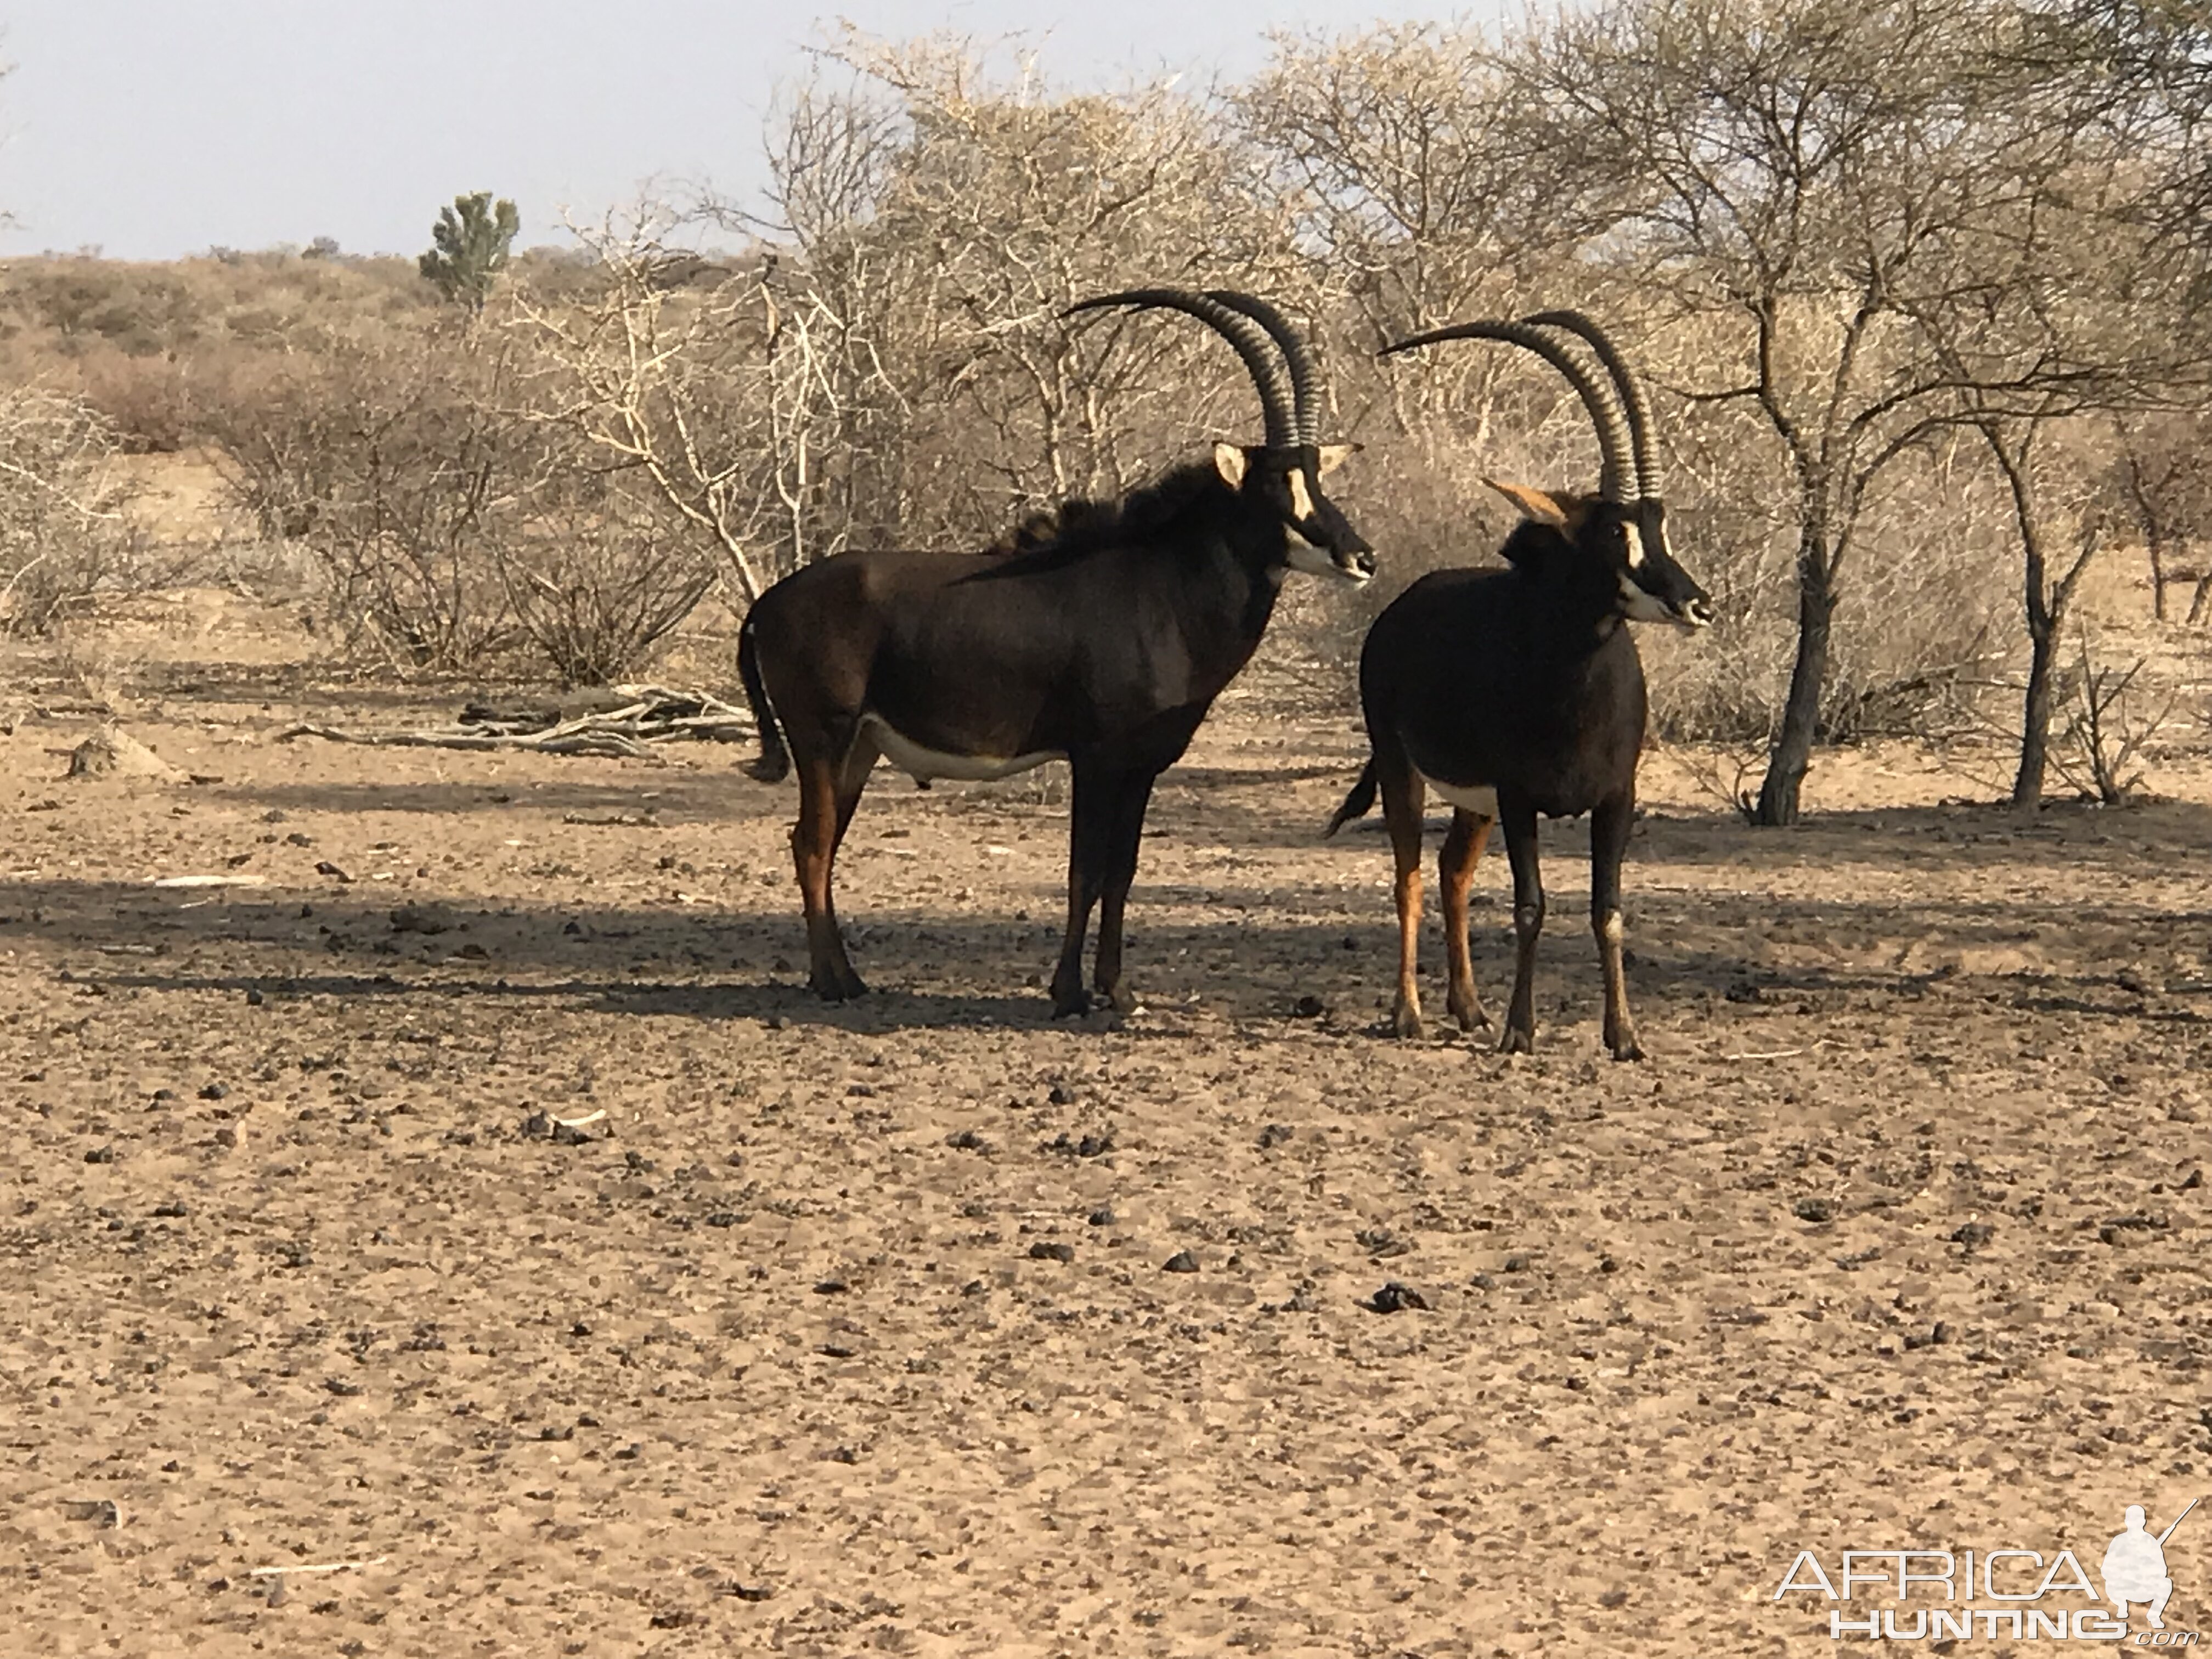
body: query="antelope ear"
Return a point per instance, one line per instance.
(1230, 462)
(1332, 456)
(1535, 504)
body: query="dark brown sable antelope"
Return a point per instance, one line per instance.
(1519, 691)
(1100, 637)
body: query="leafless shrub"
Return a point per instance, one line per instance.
(397, 467)
(65, 537)
(2112, 716)
(708, 381)
(598, 583)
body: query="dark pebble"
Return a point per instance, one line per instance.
(215, 1092)
(1815, 1209)
(1182, 1262)
(1102, 1218)
(1394, 1297)
(1042, 1252)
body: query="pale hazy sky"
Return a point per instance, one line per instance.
(154, 128)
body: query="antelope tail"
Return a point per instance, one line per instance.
(774, 764)
(1358, 803)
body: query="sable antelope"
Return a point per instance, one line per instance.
(1100, 637)
(1519, 691)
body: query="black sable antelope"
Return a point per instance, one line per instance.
(1519, 691)
(1100, 636)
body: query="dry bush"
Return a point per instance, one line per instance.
(2112, 716)
(705, 381)
(148, 345)
(65, 537)
(453, 507)
(397, 467)
(946, 214)
(600, 582)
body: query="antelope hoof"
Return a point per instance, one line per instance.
(1121, 999)
(1469, 1014)
(1406, 1021)
(1518, 1040)
(1066, 1004)
(839, 984)
(1625, 1046)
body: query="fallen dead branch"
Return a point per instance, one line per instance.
(641, 716)
(1786, 1054)
(320, 1566)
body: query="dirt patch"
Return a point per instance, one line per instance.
(482, 1200)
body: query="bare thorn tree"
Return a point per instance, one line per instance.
(705, 377)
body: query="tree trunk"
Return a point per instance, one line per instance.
(2044, 607)
(1792, 752)
(2035, 719)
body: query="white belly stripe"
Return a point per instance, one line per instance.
(925, 764)
(1478, 799)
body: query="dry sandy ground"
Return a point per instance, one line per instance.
(1896, 1238)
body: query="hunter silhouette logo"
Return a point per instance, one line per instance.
(1989, 1595)
(2134, 1566)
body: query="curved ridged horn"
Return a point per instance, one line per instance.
(1251, 341)
(1612, 442)
(1648, 478)
(1305, 380)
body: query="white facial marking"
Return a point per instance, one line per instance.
(1301, 497)
(1639, 606)
(923, 764)
(1476, 797)
(1636, 551)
